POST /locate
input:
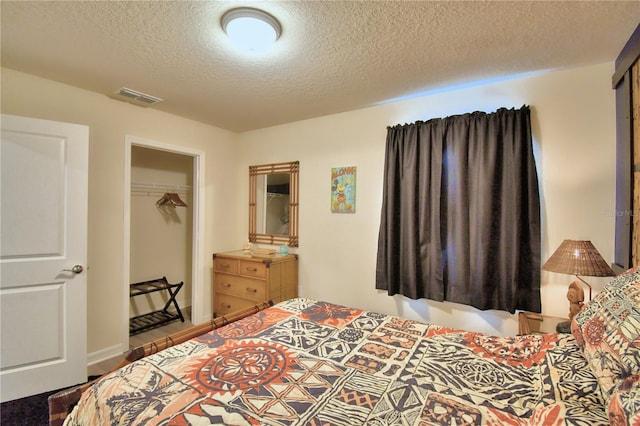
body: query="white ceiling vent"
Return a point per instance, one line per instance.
(139, 98)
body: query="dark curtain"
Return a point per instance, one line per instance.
(461, 212)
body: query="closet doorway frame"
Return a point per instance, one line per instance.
(197, 241)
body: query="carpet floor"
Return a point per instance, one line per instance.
(28, 411)
(31, 410)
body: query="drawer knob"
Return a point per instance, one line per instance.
(225, 285)
(228, 306)
(251, 290)
(252, 269)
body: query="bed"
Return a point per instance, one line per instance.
(308, 362)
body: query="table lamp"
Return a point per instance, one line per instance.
(577, 258)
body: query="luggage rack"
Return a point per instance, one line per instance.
(154, 319)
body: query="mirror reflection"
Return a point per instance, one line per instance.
(273, 203)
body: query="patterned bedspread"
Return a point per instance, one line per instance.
(304, 362)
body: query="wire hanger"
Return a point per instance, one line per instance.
(171, 199)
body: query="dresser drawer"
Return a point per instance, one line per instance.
(224, 264)
(246, 288)
(252, 269)
(226, 304)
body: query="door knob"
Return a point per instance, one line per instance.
(76, 269)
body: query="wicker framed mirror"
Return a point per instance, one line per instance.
(273, 203)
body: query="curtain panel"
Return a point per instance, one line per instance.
(460, 214)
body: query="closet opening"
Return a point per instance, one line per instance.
(162, 277)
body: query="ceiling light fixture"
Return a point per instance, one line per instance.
(251, 29)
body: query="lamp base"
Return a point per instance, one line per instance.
(564, 327)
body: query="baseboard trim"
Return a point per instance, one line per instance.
(104, 354)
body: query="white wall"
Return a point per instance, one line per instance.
(573, 121)
(573, 116)
(109, 122)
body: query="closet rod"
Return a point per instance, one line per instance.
(160, 186)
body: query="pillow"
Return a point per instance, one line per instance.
(624, 407)
(608, 331)
(575, 329)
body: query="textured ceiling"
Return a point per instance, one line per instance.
(333, 56)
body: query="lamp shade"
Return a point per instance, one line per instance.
(578, 258)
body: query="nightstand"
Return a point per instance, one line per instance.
(530, 323)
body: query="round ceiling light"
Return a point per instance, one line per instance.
(251, 29)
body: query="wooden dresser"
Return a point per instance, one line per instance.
(241, 280)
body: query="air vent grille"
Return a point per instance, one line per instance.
(137, 96)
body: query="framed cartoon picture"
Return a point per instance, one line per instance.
(343, 189)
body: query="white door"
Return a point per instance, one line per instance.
(43, 235)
